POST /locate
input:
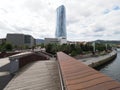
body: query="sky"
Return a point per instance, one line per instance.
(86, 20)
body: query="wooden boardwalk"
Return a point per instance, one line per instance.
(40, 75)
(78, 76)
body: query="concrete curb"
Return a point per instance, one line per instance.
(103, 61)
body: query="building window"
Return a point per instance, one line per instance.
(27, 39)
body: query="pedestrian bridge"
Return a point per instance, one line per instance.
(65, 73)
(78, 76)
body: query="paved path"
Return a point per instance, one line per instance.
(41, 75)
(91, 60)
(5, 77)
(4, 61)
(4, 66)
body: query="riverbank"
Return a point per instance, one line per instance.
(100, 60)
(112, 68)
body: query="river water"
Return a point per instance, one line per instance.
(112, 69)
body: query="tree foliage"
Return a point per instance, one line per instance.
(6, 47)
(73, 49)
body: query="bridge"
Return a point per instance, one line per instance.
(65, 73)
(78, 76)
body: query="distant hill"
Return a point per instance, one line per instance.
(109, 41)
(39, 41)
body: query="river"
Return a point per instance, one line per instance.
(112, 69)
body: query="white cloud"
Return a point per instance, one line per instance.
(84, 18)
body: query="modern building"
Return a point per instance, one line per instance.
(55, 40)
(60, 34)
(51, 40)
(62, 40)
(61, 22)
(20, 40)
(2, 40)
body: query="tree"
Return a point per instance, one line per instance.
(8, 47)
(65, 48)
(42, 45)
(78, 49)
(49, 48)
(73, 53)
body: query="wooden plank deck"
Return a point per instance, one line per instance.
(78, 76)
(40, 75)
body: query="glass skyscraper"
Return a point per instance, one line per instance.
(61, 23)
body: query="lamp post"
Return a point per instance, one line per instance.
(93, 44)
(106, 46)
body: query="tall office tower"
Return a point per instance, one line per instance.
(61, 23)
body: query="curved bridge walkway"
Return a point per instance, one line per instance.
(40, 75)
(66, 73)
(78, 76)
